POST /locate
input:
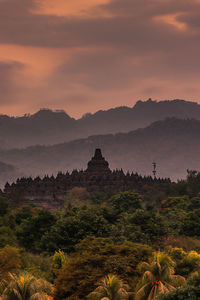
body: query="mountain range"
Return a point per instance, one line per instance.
(174, 144)
(47, 127)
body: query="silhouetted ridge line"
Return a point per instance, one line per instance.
(173, 143)
(47, 127)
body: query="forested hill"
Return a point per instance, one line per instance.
(173, 143)
(47, 127)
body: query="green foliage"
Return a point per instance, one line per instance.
(73, 226)
(158, 278)
(127, 201)
(93, 260)
(181, 202)
(110, 288)
(58, 261)
(185, 242)
(190, 291)
(144, 226)
(193, 183)
(7, 237)
(4, 206)
(26, 287)
(189, 263)
(191, 225)
(25, 212)
(101, 239)
(178, 254)
(10, 261)
(194, 203)
(37, 265)
(175, 219)
(31, 230)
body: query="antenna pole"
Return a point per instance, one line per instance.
(154, 169)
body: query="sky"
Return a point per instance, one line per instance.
(86, 55)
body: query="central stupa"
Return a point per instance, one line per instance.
(98, 164)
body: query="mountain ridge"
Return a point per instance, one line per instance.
(47, 127)
(173, 143)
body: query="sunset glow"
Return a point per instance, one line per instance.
(70, 7)
(85, 55)
(172, 20)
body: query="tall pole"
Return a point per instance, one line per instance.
(154, 169)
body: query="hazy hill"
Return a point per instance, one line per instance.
(173, 143)
(8, 172)
(47, 127)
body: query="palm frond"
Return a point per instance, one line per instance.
(143, 291)
(26, 286)
(110, 287)
(158, 277)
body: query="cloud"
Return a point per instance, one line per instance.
(8, 73)
(91, 54)
(70, 8)
(131, 20)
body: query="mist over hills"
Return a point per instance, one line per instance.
(173, 143)
(8, 173)
(48, 127)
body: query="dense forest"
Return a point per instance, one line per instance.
(104, 245)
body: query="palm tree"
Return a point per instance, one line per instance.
(26, 287)
(110, 288)
(158, 278)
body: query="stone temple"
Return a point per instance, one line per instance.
(97, 177)
(98, 165)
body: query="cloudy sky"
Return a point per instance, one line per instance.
(85, 55)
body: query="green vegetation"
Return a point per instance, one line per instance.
(104, 246)
(111, 287)
(25, 286)
(158, 277)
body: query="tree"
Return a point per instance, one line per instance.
(191, 225)
(181, 202)
(58, 261)
(193, 183)
(110, 288)
(73, 226)
(189, 264)
(4, 206)
(7, 237)
(144, 226)
(26, 287)
(127, 201)
(194, 202)
(10, 261)
(31, 230)
(158, 277)
(189, 291)
(94, 258)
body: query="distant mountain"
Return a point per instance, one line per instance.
(8, 173)
(44, 127)
(173, 143)
(48, 127)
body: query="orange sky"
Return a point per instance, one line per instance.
(72, 8)
(85, 55)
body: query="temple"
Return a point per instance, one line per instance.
(98, 165)
(97, 177)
